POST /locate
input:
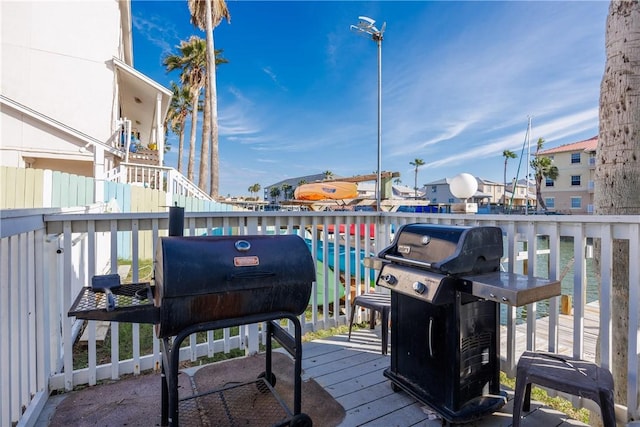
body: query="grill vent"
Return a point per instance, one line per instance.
(475, 352)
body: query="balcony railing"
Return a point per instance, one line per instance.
(46, 257)
(156, 177)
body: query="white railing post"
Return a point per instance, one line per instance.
(633, 382)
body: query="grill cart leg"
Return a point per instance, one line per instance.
(170, 360)
(294, 347)
(165, 397)
(171, 354)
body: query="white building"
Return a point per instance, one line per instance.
(69, 91)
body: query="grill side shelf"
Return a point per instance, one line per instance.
(133, 303)
(510, 288)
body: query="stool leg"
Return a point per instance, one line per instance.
(607, 408)
(385, 330)
(519, 397)
(353, 312)
(372, 318)
(526, 404)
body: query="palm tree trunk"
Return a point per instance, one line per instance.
(180, 150)
(192, 141)
(504, 189)
(617, 174)
(213, 101)
(203, 173)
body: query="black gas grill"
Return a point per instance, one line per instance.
(446, 284)
(213, 282)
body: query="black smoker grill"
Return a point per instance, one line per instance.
(446, 285)
(214, 282)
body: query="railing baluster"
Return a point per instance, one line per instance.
(634, 322)
(554, 274)
(606, 263)
(579, 280)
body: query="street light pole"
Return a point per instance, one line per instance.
(378, 39)
(366, 27)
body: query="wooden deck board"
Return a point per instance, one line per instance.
(351, 372)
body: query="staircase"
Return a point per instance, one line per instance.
(156, 177)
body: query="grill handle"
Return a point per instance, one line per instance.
(412, 262)
(253, 275)
(431, 337)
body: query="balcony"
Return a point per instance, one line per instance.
(47, 256)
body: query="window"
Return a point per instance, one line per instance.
(575, 158)
(548, 182)
(550, 202)
(575, 180)
(576, 202)
(434, 189)
(452, 200)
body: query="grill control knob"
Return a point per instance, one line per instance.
(419, 287)
(389, 279)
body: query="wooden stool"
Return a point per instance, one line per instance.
(374, 302)
(565, 374)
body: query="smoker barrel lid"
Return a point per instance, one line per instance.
(201, 265)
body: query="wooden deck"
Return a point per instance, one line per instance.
(352, 373)
(565, 334)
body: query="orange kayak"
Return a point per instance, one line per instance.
(326, 191)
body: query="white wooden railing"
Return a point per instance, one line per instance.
(46, 256)
(157, 177)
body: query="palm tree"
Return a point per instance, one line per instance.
(192, 65)
(397, 181)
(206, 155)
(617, 171)
(179, 109)
(328, 174)
(417, 163)
(207, 15)
(254, 189)
(543, 167)
(302, 182)
(285, 189)
(507, 155)
(275, 193)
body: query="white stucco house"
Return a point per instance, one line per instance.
(70, 95)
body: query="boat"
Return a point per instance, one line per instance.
(335, 190)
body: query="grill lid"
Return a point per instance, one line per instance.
(188, 266)
(447, 249)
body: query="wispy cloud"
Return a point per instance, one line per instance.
(274, 78)
(158, 31)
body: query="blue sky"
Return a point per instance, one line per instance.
(459, 81)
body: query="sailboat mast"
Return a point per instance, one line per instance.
(526, 193)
